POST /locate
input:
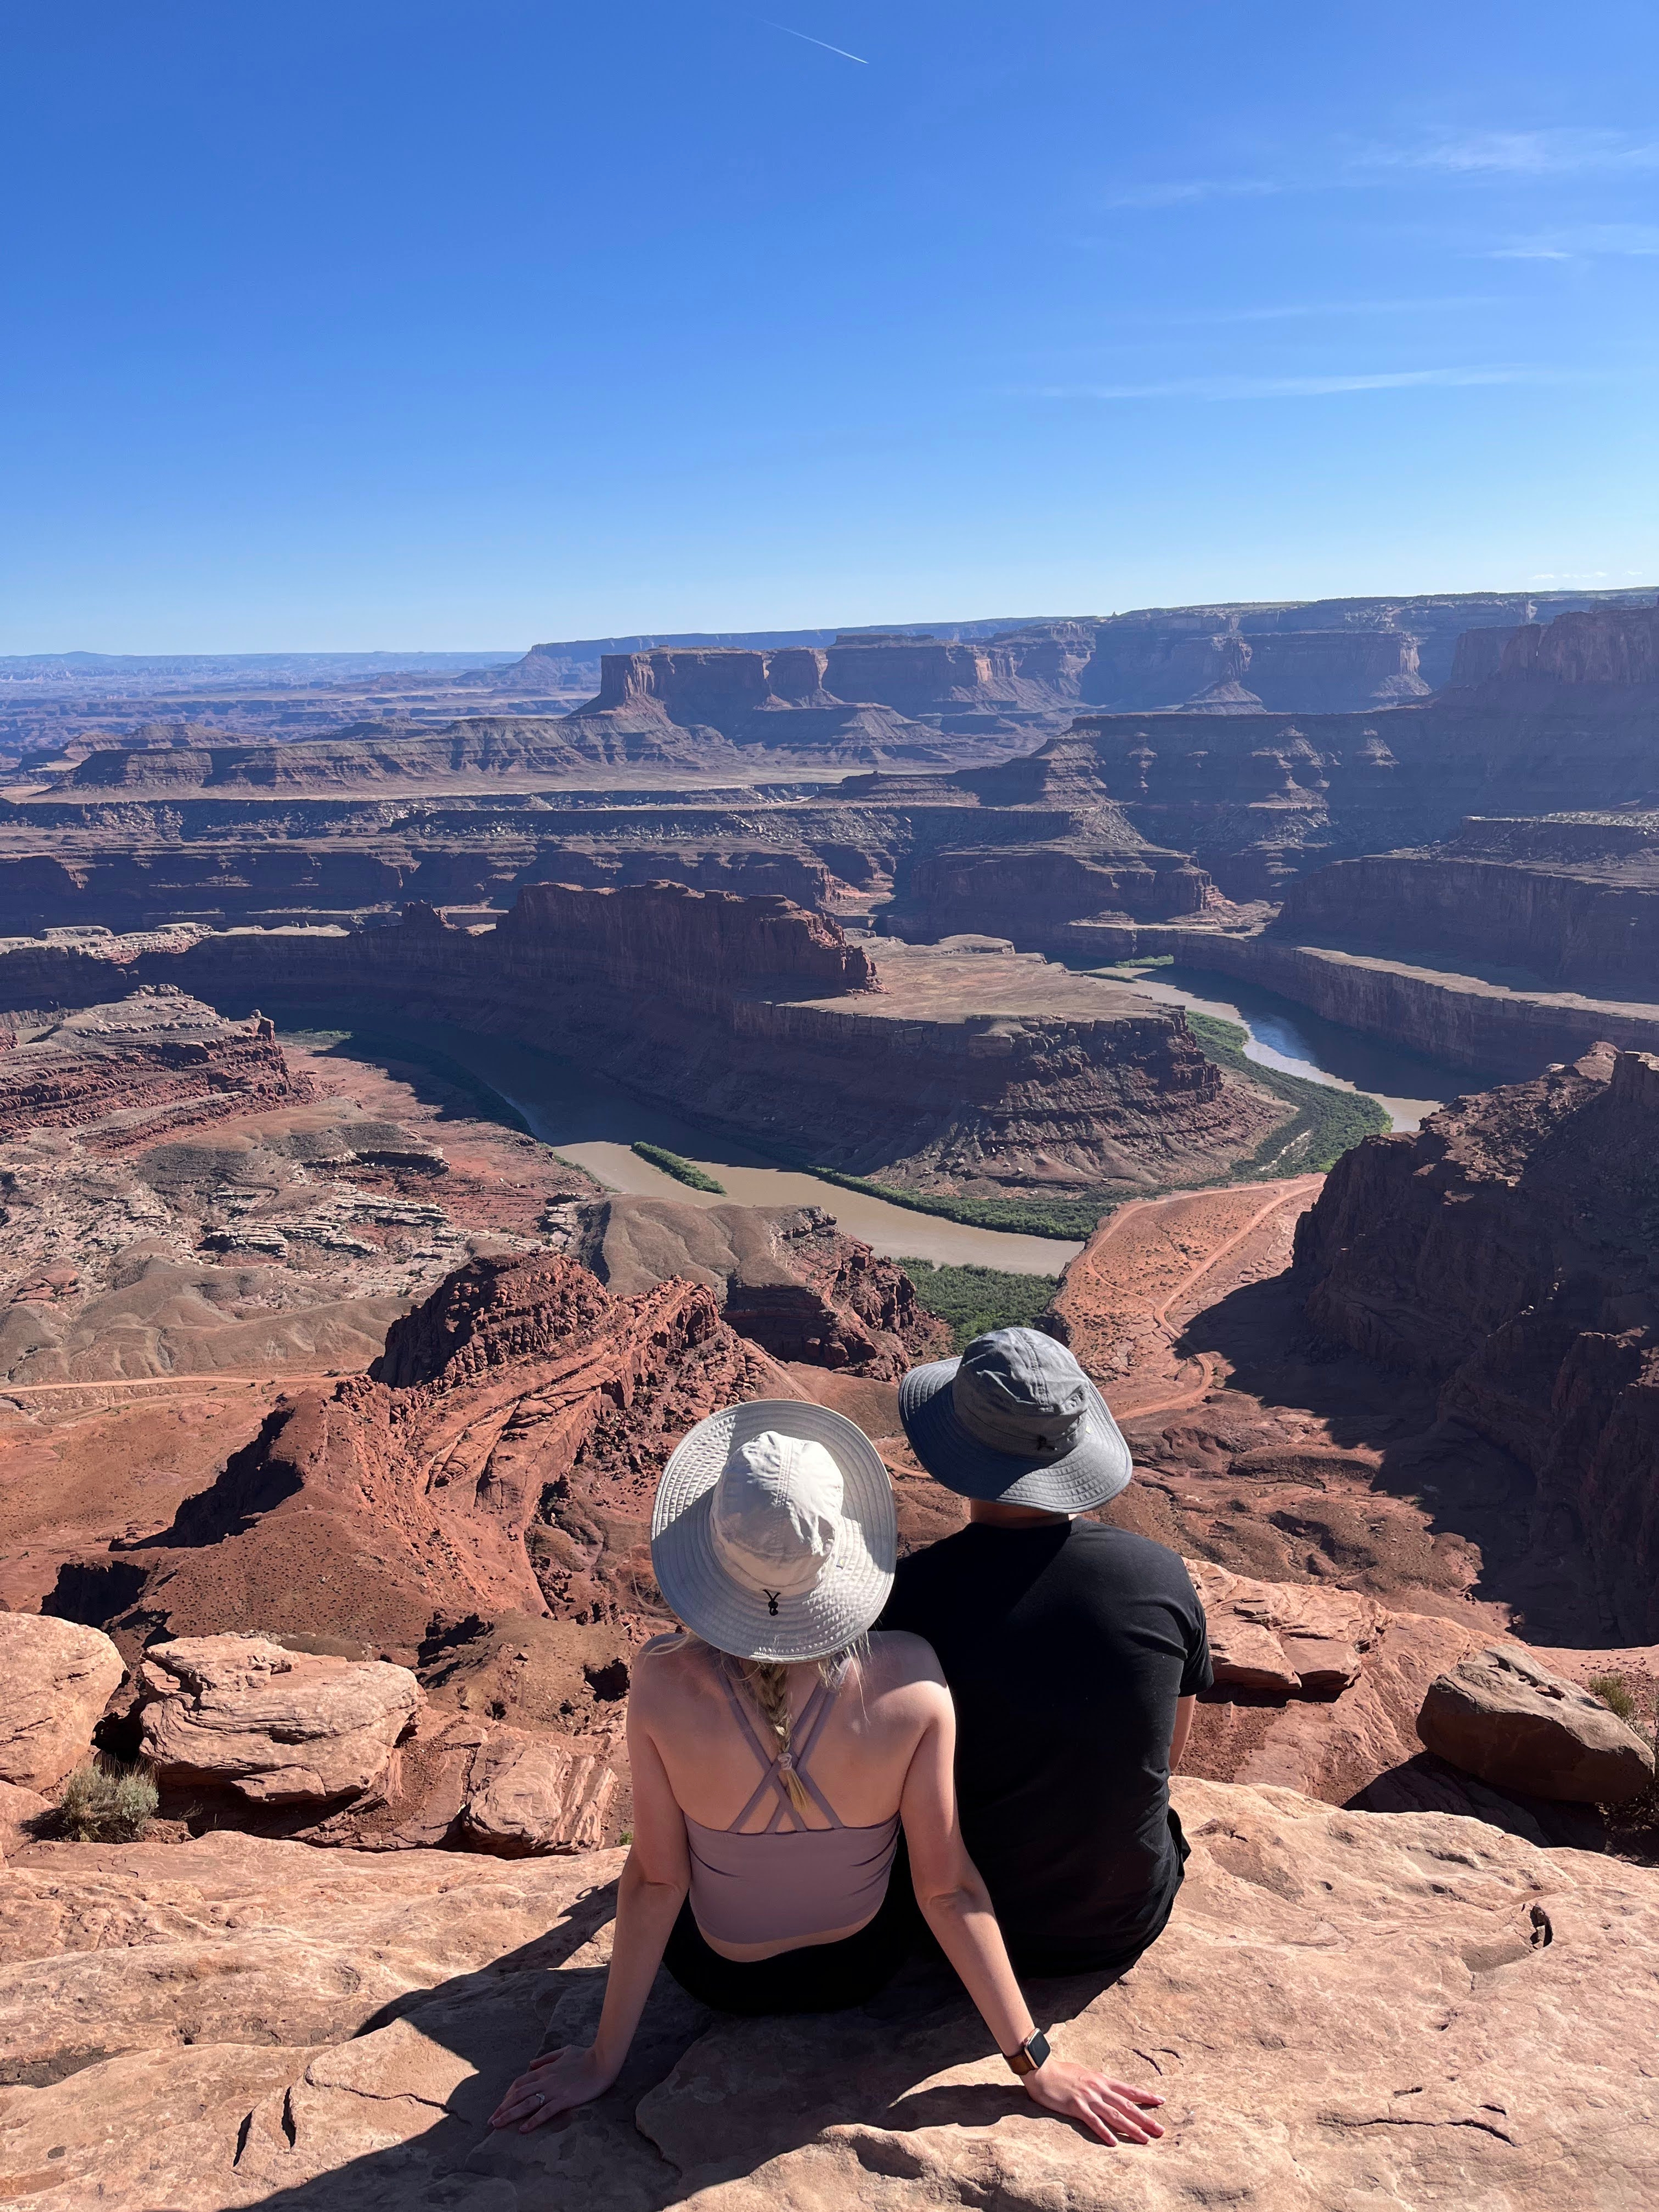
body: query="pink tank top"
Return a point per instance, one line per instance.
(777, 1883)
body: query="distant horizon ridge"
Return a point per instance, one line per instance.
(973, 629)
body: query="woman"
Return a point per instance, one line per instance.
(778, 1749)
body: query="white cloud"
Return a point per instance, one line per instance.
(1581, 241)
(1316, 309)
(1189, 190)
(1554, 153)
(1305, 387)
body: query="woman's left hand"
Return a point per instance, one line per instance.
(1116, 2112)
(552, 2084)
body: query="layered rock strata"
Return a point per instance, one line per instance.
(1264, 1447)
(1615, 646)
(761, 1018)
(1571, 901)
(1505, 1253)
(183, 1196)
(785, 1278)
(501, 1456)
(160, 1054)
(135, 861)
(277, 1727)
(1485, 1021)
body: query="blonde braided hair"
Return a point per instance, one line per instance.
(767, 1681)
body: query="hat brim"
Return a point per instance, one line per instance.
(1098, 1467)
(857, 1577)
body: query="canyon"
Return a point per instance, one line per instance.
(942, 1071)
(325, 1994)
(332, 1403)
(1505, 1254)
(1307, 655)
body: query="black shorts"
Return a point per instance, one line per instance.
(817, 1978)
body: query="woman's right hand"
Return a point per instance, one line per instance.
(1114, 2111)
(550, 2085)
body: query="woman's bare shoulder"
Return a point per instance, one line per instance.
(899, 1661)
(666, 1668)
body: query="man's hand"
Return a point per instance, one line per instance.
(1113, 2110)
(550, 2085)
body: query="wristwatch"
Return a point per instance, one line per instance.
(1031, 2054)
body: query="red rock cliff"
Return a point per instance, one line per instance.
(1507, 1248)
(1606, 645)
(668, 936)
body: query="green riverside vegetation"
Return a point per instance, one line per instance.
(1068, 1218)
(972, 1299)
(1327, 1122)
(684, 1171)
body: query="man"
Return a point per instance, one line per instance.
(1073, 1651)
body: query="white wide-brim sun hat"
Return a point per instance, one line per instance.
(730, 1610)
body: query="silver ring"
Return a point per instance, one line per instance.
(539, 2101)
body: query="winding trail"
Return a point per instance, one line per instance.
(209, 1378)
(1201, 1365)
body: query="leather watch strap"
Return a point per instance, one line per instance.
(1030, 2054)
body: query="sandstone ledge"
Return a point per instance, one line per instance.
(1472, 1022)
(1347, 2009)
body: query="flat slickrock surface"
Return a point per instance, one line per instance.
(939, 983)
(1348, 2011)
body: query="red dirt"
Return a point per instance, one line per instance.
(1267, 1451)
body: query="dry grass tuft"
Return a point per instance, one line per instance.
(103, 1804)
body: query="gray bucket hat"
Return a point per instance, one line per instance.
(1018, 1420)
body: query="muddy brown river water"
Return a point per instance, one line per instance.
(595, 1123)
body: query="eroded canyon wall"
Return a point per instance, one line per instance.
(757, 1018)
(1575, 905)
(1506, 1251)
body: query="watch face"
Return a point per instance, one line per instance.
(1036, 2048)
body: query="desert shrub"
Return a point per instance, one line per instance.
(682, 1171)
(103, 1804)
(1326, 1123)
(972, 1299)
(1614, 1693)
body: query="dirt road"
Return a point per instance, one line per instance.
(1198, 1374)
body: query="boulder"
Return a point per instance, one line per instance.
(533, 1793)
(277, 1727)
(57, 1677)
(1300, 1639)
(1500, 1715)
(19, 1810)
(460, 1782)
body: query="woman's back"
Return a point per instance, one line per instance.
(681, 1697)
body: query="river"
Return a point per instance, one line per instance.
(585, 1119)
(594, 1122)
(1407, 1085)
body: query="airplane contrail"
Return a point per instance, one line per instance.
(811, 41)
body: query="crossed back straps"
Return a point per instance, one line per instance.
(784, 1766)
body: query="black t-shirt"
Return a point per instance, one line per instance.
(1065, 1649)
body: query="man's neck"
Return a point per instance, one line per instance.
(991, 1513)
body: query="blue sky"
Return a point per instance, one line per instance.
(449, 325)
